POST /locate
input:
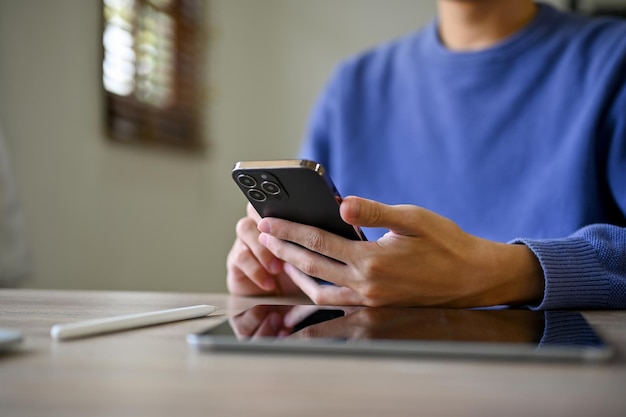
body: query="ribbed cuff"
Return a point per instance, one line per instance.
(574, 277)
(568, 328)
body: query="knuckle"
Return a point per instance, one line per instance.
(371, 284)
(316, 299)
(374, 214)
(241, 255)
(372, 294)
(371, 267)
(309, 267)
(277, 250)
(319, 298)
(234, 253)
(235, 281)
(369, 291)
(373, 302)
(256, 272)
(419, 214)
(315, 242)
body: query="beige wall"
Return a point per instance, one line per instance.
(101, 216)
(113, 217)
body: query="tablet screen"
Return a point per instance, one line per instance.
(503, 333)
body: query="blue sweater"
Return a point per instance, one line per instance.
(524, 142)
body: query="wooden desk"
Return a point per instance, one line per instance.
(152, 371)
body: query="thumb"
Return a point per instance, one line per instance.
(402, 219)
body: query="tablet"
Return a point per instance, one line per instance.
(510, 334)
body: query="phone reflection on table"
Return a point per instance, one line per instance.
(406, 323)
(478, 333)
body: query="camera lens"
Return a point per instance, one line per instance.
(246, 180)
(257, 195)
(270, 187)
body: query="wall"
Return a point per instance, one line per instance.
(102, 216)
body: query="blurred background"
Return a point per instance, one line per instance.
(84, 204)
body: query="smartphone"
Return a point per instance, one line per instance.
(298, 190)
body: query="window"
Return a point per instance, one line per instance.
(152, 71)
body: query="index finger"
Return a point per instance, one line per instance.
(312, 238)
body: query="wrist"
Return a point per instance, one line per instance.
(524, 275)
(513, 276)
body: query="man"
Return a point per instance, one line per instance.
(490, 148)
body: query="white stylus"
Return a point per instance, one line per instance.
(130, 321)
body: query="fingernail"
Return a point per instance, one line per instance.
(263, 238)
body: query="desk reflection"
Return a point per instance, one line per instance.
(542, 329)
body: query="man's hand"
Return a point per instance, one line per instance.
(424, 259)
(251, 268)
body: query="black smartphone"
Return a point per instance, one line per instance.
(298, 190)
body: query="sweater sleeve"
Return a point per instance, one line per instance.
(588, 268)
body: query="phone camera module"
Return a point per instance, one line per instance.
(246, 180)
(270, 187)
(257, 195)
